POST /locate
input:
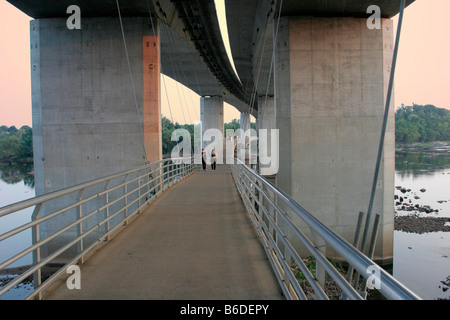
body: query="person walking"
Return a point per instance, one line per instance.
(204, 159)
(213, 159)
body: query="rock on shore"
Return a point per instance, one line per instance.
(417, 224)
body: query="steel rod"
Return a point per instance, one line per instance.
(383, 130)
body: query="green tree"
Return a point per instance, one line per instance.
(12, 130)
(167, 128)
(234, 125)
(419, 123)
(26, 142)
(10, 148)
(16, 144)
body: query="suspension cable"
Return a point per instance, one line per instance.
(255, 84)
(175, 69)
(272, 62)
(132, 83)
(161, 67)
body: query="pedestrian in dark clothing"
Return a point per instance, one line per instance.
(213, 160)
(204, 159)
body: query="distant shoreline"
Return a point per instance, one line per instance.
(16, 160)
(436, 146)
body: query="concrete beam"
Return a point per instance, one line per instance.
(333, 8)
(108, 8)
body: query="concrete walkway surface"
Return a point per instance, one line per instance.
(195, 242)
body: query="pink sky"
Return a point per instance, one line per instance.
(422, 77)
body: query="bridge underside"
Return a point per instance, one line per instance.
(213, 74)
(326, 92)
(108, 8)
(251, 26)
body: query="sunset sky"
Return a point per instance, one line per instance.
(422, 77)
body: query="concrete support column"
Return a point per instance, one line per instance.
(331, 84)
(90, 117)
(247, 148)
(86, 121)
(211, 116)
(267, 121)
(245, 121)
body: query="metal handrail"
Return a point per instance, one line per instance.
(131, 190)
(270, 208)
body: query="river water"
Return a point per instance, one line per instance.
(16, 184)
(421, 261)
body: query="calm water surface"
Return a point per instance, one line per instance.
(16, 184)
(422, 261)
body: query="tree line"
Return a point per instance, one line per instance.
(418, 123)
(16, 144)
(167, 127)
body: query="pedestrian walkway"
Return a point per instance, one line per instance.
(195, 242)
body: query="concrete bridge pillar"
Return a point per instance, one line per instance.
(91, 116)
(331, 84)
(86, 121)
(267, 121)
(245, 121)
(211, 116)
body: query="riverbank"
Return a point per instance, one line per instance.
(418, 159)
(435, 146)
(15, 161)
(420, 225)
(17, 171)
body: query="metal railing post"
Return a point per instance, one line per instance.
(139, 189)
(107, 228)
(80, 224)
(37, 275)
(161, 176)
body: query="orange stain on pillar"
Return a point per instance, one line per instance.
(152, 98)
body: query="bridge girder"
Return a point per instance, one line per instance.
(194, 31)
